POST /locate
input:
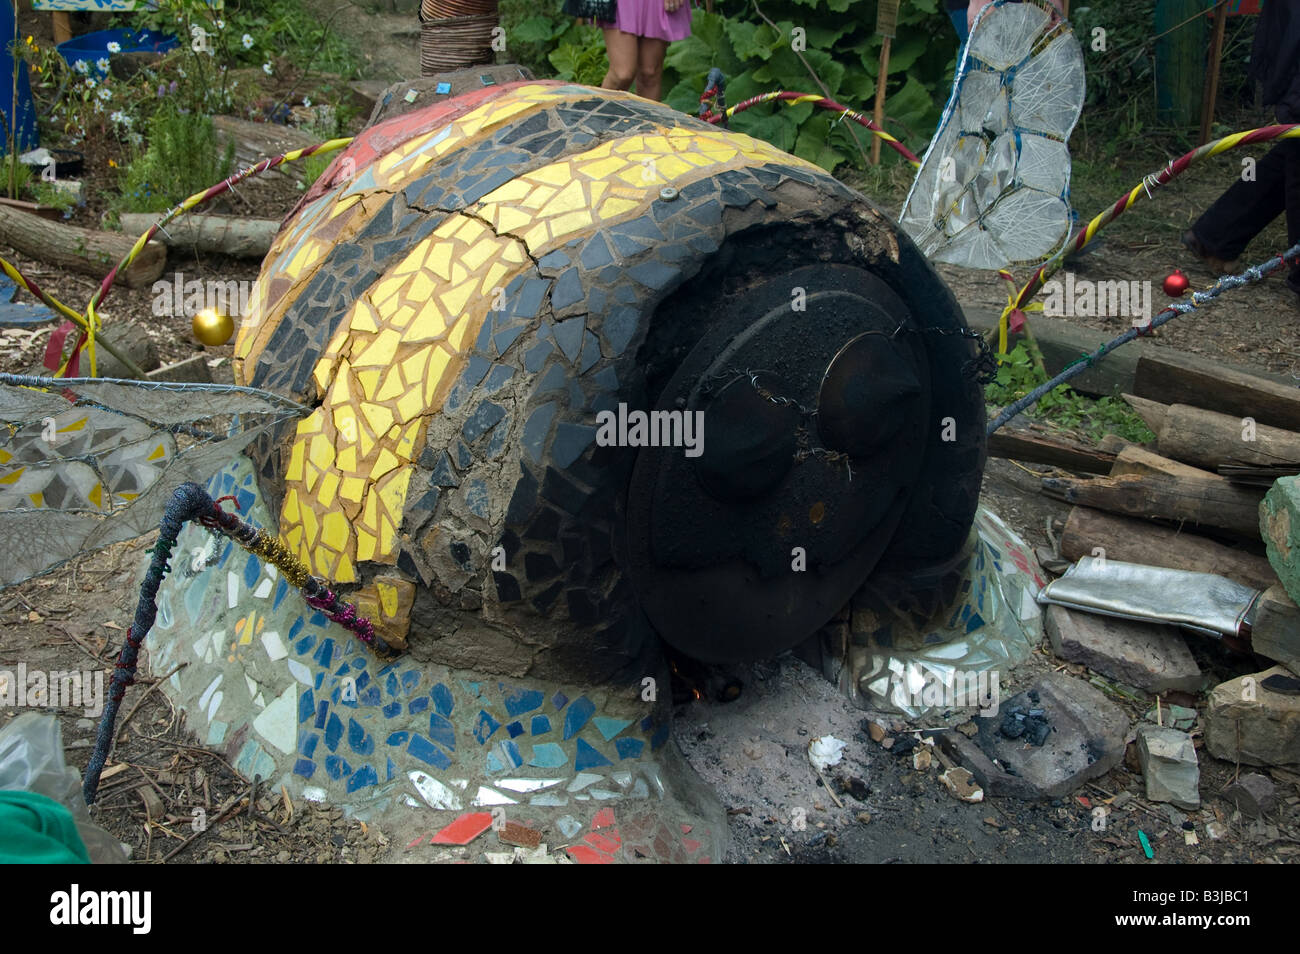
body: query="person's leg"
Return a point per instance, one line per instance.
(621, 48)
(1241, 213)
(650, 67)
(1292, 156)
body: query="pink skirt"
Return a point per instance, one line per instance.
(649, 18)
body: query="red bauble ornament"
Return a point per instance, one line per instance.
(1176, 284)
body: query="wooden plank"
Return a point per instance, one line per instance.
(1134, 459)
(1135, 541)
(1062, 343)
(62, 25)
(1211, 502)
(1030, 441)
(1187, 379)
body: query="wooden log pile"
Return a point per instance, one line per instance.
(1190, 499)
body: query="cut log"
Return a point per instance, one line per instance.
(1134, 541)
(223, 234)
(257, 141)
(1211, 502)
(1276, 628)
(1187, 379)
(1151, 412)
(1208, 439)
(1033, 442)
(1134, 459)
(86, 251)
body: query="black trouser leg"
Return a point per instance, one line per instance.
(1241, 213)
(1292, 147)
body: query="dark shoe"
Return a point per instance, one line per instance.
(1213, 262)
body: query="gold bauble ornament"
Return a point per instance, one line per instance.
(212, 328)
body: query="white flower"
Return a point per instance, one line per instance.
(114, 47)
(136, 139)
(181, 72)
(118, 117)
(105, 93)
(266, 68)
(81, 66)
(102, 64)
(306, 102)
(247, 41)
(90, 82)
(221, 24)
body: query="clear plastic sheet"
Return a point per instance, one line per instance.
(31, 760)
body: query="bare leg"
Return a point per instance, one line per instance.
(650, 67)
(621, 48)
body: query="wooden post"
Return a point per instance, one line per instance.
(1180, 60)
(1212, 81)
(62, 26)
(886, 27)
(878, 114)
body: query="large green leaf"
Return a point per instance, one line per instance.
(750, 41)
(814, 145)
(902, 54)
(857, 90)
(913, 109)
(776, 128)
(822, 36)
(533, 30)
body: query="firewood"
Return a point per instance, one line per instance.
(1214, 386)
(257, 141)
(86, 251)
(1208, 439)
(1042, 445)
(1136, 541)
(226, 235)
(1211, 502)
(1134, 459)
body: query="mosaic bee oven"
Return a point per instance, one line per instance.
(477, 299)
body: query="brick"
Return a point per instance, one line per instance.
(1246, 722)
(1146, 655)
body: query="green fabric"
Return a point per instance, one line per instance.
(36, 830)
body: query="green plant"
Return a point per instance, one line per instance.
(313, 167)
(581, 58)
(763, 51)
(182, 158)
(1017, 376)
(17, 174)
(50, 195)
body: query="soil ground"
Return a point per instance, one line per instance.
(751, 750)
